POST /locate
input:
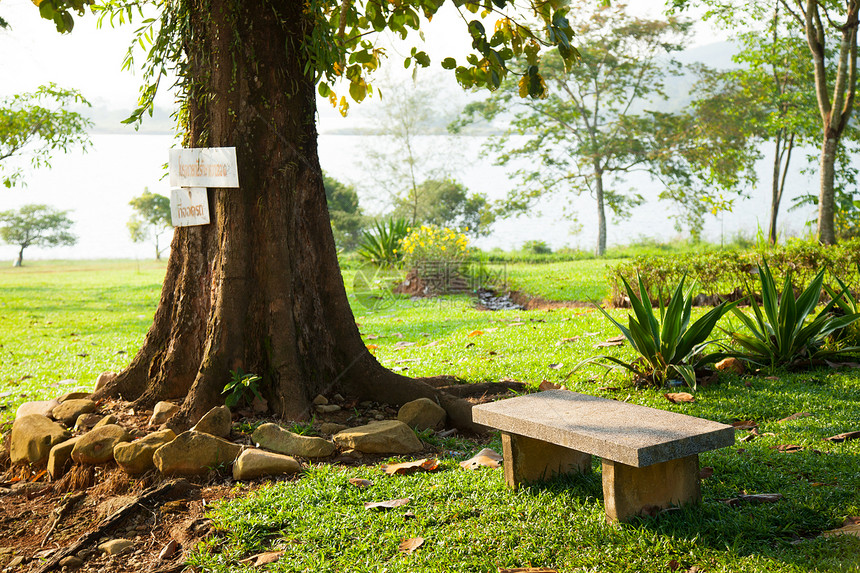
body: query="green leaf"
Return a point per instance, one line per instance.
(449, 63)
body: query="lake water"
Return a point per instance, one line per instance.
(98, 185)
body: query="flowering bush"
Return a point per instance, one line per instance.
(431, 244)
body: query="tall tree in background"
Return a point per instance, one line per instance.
(260, 288)
(590, 130)
(151, 219)
(39, 124)
(35, 225)
(347, 219)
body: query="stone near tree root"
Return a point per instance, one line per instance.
(97, 446)
(327, 408)
(320, 400)
(60, 458)
(115, 546)
(40, 407)
(137, 457)
(216, 422)
(67, 412)
(256, 463)
(274, 437)
(422, 414)
(32, 438)
(330, 428)
(73, 396)
(104, 379)
(195, 453)
(86, 422)
(389, 437)
(162, 412)
(106, 421)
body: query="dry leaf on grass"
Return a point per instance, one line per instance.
(485, 458)
(787, 448)
(843, 437)
(609, 389)
(614, 341)
(555, 366)
(679, 397)
(388, 504)
(761, 497)
(360, 483)
(794, 417)
(567, 340)
(476, 333)
(744, 425)
(428, 465)
(401, 345)
(528, 570)
(411, 544)
(853, 529)
(547, 385)
(372, 346)
(706, 472)
(371, 336)
(263, 558)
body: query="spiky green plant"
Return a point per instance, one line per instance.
(779, 334)
(669, 346)
(381, 245)
(847, 304)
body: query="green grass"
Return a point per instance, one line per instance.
(572, 280)
(469, 520)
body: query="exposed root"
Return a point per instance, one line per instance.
(78, 478)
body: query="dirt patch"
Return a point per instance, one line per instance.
(529, 302)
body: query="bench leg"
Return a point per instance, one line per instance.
(527, 460)
(630, 491)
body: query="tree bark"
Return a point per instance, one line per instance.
(20, 260)
(826, 196)
(260, 288)
(601, 213)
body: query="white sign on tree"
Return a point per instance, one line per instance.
(191, 172)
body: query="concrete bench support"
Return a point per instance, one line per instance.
(528, 460)
(650, 456)
(629, 491)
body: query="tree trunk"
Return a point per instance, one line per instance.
(601, 214)
(260, 288)
(826, 196)
(781, 161)
(20, 260)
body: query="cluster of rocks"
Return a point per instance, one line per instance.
(68, 430)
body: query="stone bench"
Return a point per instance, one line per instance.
(650, 457)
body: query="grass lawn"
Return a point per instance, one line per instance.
(52, 314)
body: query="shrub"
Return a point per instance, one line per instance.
(536, 248)
(381, 245)
(431, 244)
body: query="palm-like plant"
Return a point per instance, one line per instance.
(779, 334)
(668, 346)
(380, 246)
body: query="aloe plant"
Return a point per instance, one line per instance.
(669, 346)
(779, 334)
(381, 245)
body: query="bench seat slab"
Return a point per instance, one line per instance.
(528, 460)
(630, 491)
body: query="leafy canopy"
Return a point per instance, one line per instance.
(151, 218)
(39, 124)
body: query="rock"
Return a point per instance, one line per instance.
(331, 428)
(67, 412)
(215, 422)
(338, 398)
(115, 546)
(257, 463)
(73, 396)
(328, 408)
(422, 414)
(275, 438)
(60, 457)
(730, 365)
(71, 561)
(104, 379)
(87, 422)
(41, 407)
(389, 437)
(106, 421)
(136, 457)
(96, 446)
(194, 453)
(320, 400)
(162, 412)
(32, 438)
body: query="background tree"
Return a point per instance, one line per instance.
(447, 203)
(39, 124)
(260, 288)
(587, 133)
(347, 219)
(35, 225)
(150, 220)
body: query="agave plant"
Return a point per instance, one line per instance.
(669, 346)
(380, 246)
(846, 304)
(779, 334)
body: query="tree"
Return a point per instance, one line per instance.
(588, 132)
(347, 219)
(447, 203)
(36, 225)
(151, 219)
(39, 124)
(260, 288)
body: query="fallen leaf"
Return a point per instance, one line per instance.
(168, 550)
(38, 476)
(614, 341)
(555, 366)
(475, 333)
(518, 323)
(744, 424)
(851, 529)
(547, 385)
(567, 340)
(673, 565)
(360, 483)
(609, 388)
(787, 448)
(485, 458)
(428, 465)
(772, 378)
(411, 544)
(679, 397)
(843, 437)
(748, 438)
(528, 570)
(403, 344)
(372, 347)
(794, 417)
(263, 558)
(761, 497)
(388, 504)
(706, 472)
